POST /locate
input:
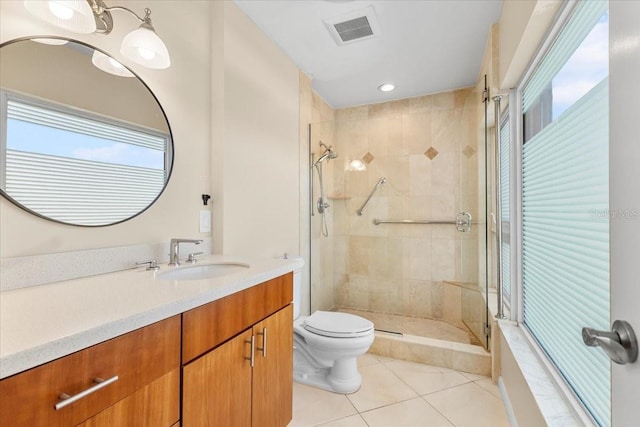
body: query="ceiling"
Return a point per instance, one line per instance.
(421, 46)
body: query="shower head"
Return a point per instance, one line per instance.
(327, 154)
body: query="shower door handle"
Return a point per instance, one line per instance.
(620, 344)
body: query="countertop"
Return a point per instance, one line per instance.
(42, 323)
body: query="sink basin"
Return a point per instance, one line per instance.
(206, 271)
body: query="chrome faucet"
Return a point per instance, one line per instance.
(174, 249)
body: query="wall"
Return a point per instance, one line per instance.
(42, 71)
(184, 92)
(523, 24)
(256, 153)
(323, 128)
(232, 99)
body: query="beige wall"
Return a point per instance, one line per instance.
(231, 97)
(522, 401)
(522, 24)
(323, 128)
(184, 92)
(256, 155)
(42, 71)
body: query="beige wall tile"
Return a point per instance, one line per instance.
(452, 304)
(399, 268)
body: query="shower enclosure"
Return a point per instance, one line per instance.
(410, 255)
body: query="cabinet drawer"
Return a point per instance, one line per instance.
(137, 358)
(207, 326)
(156, 405)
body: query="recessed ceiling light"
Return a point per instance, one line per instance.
(386, 87)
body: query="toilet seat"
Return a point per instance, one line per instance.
(337, 325)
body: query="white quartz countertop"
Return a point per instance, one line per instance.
(42, 323)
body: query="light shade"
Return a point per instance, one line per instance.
(52, 42)
(144, 47)
(109, 65)
(72, 15)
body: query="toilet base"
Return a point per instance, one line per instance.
(342, 377)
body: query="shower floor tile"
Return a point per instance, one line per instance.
(398, 393)
(417, 326)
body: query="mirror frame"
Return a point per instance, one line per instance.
(170, 151)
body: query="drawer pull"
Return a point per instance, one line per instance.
(66, 400)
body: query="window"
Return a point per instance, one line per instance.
(505, 217)
(565, 229)
(77, 167)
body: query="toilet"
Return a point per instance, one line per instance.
(326, 346)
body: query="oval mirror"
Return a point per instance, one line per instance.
(83, 140)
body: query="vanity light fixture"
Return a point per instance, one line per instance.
(386, 87)
(142, 46)
(109, 65)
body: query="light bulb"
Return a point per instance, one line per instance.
(386, 87)
(115, 64)
(357, 165)
(109, 65)
(144, 47)
(146, 53)
(60, 10)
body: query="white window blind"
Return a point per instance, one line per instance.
(75, 190)
(80, 191)
(505, 252)
(565, 228)
(87, 126)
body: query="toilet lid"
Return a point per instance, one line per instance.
(338, 325)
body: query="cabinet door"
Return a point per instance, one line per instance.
(273, 371)
(216, 387)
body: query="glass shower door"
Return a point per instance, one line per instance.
(474, 198)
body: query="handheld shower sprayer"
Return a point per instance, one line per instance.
(322, 204)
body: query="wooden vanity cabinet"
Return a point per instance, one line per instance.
(225, 383)
(203, 358)
(146, 392)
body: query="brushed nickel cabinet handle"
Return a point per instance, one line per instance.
(66, 400)
(264, 342)
(252, 357)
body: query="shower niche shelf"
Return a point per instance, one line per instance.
(338, 197)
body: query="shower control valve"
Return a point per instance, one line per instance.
(322, 205)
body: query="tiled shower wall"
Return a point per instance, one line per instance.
(428, 149)
(322, 260)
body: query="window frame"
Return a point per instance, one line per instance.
(516, 115)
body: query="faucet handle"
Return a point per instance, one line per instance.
(191, 258)
(152, 264)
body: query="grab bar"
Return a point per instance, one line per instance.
(381, 181)
(462, 221)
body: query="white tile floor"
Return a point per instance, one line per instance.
(396, 393)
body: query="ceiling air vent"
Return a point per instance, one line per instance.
(354, 26)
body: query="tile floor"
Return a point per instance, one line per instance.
(396, 393)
